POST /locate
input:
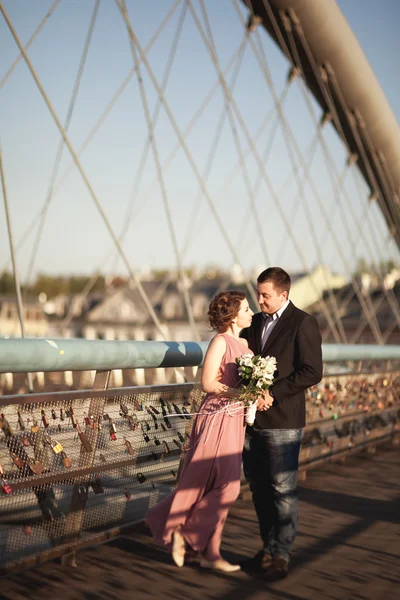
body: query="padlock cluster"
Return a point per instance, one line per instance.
(153, 423)
(145, 430)
(336, 396)
(28, 440)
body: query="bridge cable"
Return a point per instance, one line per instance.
(60, 149)
(29, 42)
(364, 302)
(156, 158)
(228, 108)
(169, 160)
(280, 210)
(367, 306)
(309, 156)
(288, 135)
(166, 164)
(137, 179)
(246, 133)
(374, 324)
(189, 156)
(92, 193)
(388, 292)
(189, 234)
(291, 141)
(353, 120)
(357, 179)
(111, 104)
(98, 123)
(17, 284)
(128, 217)
(283, 44)
(265, 157)
(253, 149)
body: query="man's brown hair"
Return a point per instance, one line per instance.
(278, 277)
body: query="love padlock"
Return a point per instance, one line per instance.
(141, 478)
(97, 486)
(129, 447)
(113, 429)
(6, 487)
(45, 419)
(65, 459)
(56, 447)
(83, 494)
(21, 422)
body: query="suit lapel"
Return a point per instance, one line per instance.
(281, 324)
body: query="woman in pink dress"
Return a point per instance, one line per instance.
(193, 515)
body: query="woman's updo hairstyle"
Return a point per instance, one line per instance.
(223, 309)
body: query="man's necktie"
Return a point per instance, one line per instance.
(266, 330)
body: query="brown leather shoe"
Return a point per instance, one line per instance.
(258, 563)
(278, 570)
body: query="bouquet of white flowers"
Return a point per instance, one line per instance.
(257, 375)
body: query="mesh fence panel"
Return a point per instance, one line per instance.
(77, 464)
(67, 471)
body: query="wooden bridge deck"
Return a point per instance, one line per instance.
(347, 548)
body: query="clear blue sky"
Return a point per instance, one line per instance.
(74, 238)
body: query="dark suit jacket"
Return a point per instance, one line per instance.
(295, 342)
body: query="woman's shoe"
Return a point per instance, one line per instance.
(219, 565)
(178, 548)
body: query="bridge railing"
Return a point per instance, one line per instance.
(80, 465)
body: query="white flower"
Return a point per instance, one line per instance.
(269, 377)
(257, 374)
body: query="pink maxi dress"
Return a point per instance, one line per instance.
(210, 479)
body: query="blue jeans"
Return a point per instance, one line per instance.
(270, 463)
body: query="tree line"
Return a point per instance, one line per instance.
(74, 284)
(52, 285)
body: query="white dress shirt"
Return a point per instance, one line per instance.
(270, 323)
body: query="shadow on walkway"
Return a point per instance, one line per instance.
(347, 548)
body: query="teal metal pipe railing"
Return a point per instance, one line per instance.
(33, 355)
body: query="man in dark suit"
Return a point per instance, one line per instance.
(271, 459)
